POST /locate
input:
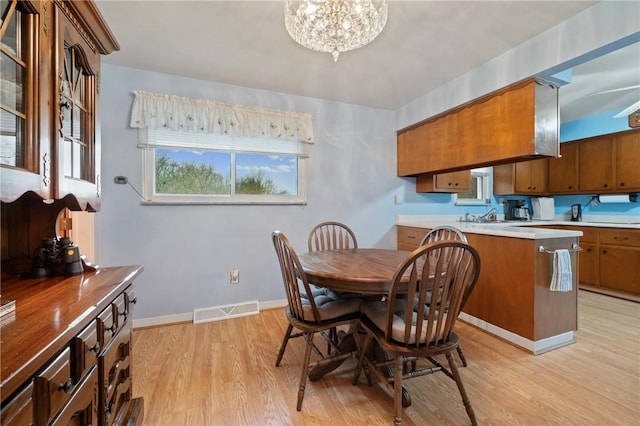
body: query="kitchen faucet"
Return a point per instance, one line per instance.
(492, 212)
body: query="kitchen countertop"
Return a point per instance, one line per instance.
(514, 229)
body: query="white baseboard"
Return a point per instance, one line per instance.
(188, 316)
(536, 347)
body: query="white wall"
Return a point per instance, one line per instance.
(188, 251)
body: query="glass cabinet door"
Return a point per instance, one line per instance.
(78, 146)
(24, 165)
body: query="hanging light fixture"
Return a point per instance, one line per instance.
(335, 26)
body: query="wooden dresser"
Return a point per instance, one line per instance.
(66, 350)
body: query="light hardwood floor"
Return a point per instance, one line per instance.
(223, 373)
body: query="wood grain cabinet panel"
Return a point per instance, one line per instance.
(627, 161)
(596, 164)
(409, 237)
(527, 177)
(589, 264)
(444, 182)
(620, 268)
(499, 128)
(19, 410)
(563, 171)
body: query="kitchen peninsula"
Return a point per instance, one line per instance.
(512, 299)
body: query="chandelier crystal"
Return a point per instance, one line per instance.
(335, 26)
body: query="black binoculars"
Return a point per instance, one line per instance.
(56, 256)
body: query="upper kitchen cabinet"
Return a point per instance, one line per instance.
(563, 171)
(628, 160)
(444, 182)
(528, 177)
(517, 123)
(609, 163)
(50, 90)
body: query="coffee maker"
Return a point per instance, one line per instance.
(516, 210)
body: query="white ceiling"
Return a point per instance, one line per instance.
(424, 45)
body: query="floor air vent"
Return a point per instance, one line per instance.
(217, 313)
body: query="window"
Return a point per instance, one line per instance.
(188, 168)
(205, 152)
(479, 189)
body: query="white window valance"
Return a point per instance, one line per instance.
(160, 111)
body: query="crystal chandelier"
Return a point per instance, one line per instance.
(335, 25)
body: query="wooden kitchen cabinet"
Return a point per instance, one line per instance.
(596, 164)
(444, 182)
(502, 127)
(609, 163)
(610, 260)
(66, 352)
(562, 172)
(50, 101)
(527, 177)
(627, 161)
(408, 238)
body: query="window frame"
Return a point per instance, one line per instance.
(151, 197)
(484, 189)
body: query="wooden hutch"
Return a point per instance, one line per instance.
(66, 348)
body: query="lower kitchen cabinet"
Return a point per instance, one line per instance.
(610, 259)
(66, 350)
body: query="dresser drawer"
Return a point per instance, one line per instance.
(52, 388)
(82, 408)
(84, 351)
(409, 238)
(620, 237)
(19, 411)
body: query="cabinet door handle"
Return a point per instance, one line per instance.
(66, 386)
(604, 251)
(588, 250)
(621, 183)
(95, 348)
(134, 300)
(606, 185)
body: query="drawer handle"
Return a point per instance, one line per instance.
(620, 238)
(411, 237)
(66, 386)
(112, 329)
(95, 348)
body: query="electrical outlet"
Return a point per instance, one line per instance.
(234, 276)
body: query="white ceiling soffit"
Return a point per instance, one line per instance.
(424, 45)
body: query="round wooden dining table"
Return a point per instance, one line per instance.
(365, 271)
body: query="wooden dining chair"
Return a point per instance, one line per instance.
(331, 236)
(310, 313)
(420, 326)
(447, 233)
(443, 233)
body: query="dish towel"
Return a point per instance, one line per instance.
(561, 278)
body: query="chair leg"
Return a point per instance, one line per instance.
(461, 356)
(463, 393)
(361, 359)
(305, 369)
(287, 334)
(397, 391)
